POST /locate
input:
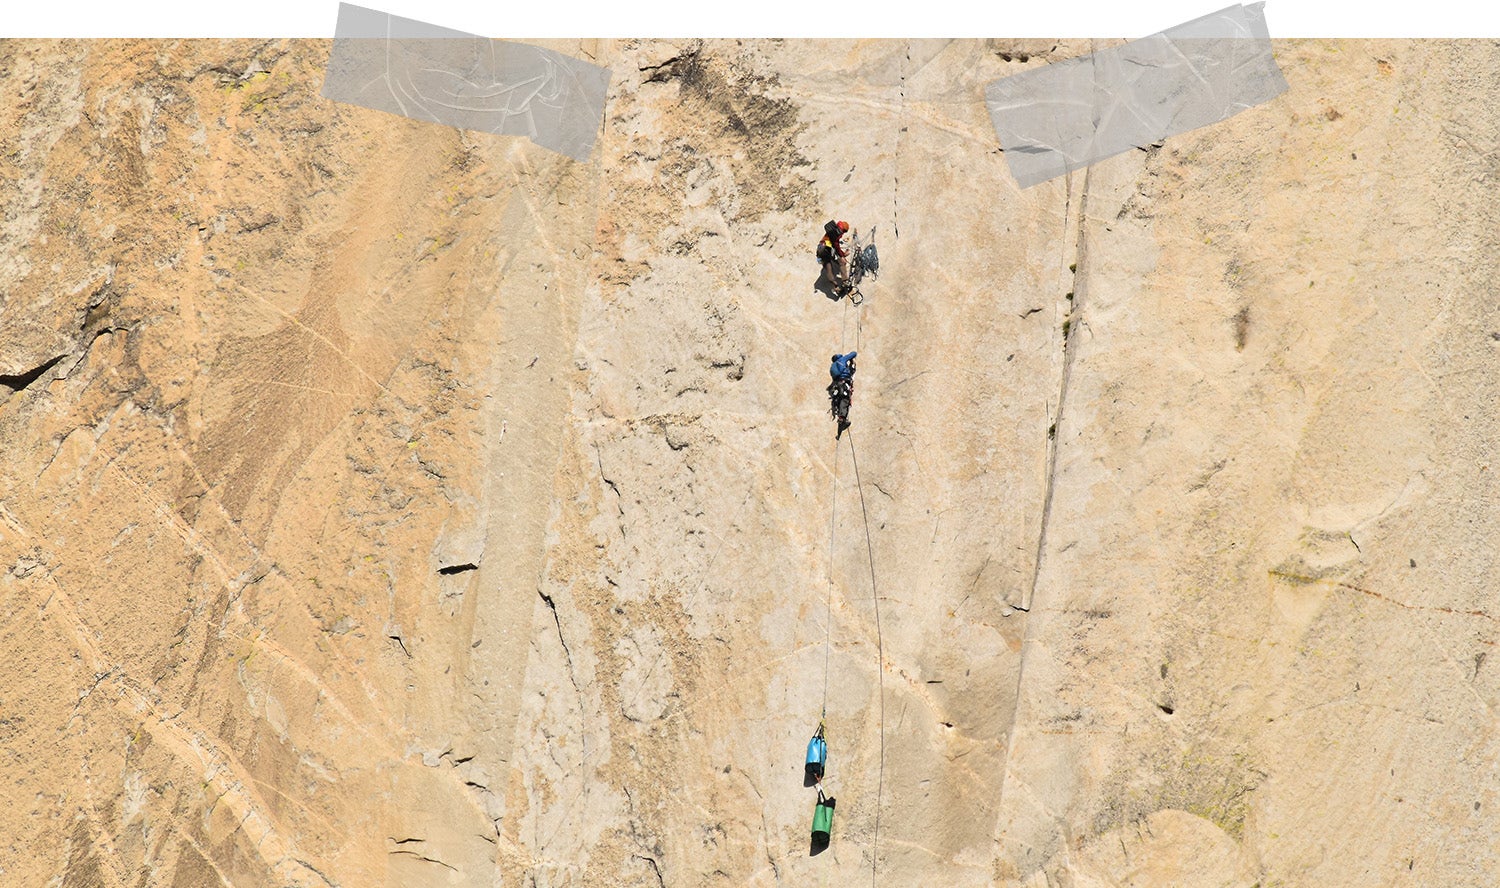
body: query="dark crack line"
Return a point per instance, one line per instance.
(1433, 608)
(667, 70)
(654, 868)
(425, 859)
(317, 872)
(896, 172)
(401, 642)
(619, 500)
(578, 691)
(567, 652)
(1076, 309)
(1070, 329)
(893, 387)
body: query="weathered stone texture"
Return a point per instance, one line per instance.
(385, 505)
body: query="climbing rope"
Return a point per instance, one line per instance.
(875, 595)
(858, 323)
(828, 623)
(844, 330)
(832, 518)
(880, 653)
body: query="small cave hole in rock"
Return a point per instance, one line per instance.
(456, 568)
(1166, 708)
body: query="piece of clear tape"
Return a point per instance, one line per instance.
(1067, 115)
(425, 72)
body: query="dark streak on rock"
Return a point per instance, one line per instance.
(654, 868)
(425, 859)
(401, 643)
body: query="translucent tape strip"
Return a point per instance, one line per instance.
(1067, 115)
(425, 72)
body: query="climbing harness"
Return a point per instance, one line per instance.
(841, 393)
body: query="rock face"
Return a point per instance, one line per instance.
(386, 505)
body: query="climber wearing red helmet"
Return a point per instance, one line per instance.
(834, 257)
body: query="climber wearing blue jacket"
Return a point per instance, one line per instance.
(841, 389)
(843, 366)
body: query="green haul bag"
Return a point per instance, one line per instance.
(822, 819)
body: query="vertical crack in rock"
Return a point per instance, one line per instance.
(896, 165)
(654, 868)
(1076, 296)
(640, 835)
(1076, 308)
(567, 652)
(619, 500)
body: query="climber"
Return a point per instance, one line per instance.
(834, 257)
(843, 367)
(841, 389)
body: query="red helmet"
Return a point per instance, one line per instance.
(843, 226)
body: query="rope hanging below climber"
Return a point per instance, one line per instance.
(837, 270)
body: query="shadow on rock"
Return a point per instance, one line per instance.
(825, 286)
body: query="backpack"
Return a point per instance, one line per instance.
(831, 235)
